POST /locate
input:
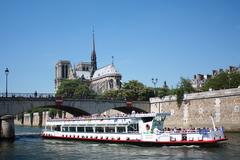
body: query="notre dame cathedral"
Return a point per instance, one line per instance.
(99, 79)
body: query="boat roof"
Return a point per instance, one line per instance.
(102, 117)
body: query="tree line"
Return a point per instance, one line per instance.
(135, 90)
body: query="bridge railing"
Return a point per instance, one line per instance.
(38, 96)
(28, 95)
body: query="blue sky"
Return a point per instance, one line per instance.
(164, 39)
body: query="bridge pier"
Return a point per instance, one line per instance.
(7, 127)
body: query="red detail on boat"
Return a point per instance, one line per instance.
(184, 142)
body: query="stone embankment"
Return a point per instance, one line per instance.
(196, 109)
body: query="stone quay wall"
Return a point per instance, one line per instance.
(196, 109)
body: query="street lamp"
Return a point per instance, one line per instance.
(6, 73)
(229, 79)
(154, 81)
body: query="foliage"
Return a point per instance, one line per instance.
(184, 86)
(111, 94)
(180, 96)
(67, 88)
(223, 80)
(145, 94)
(163, 91)
(83, 91)
(132, 90)
(74, 88)
(133, 85)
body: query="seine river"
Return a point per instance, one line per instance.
(29, 145)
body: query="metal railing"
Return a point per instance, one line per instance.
(28, 95)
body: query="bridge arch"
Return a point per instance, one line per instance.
(128, 110)
(72, 110)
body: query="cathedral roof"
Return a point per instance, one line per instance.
(108, 70)
(85, 74)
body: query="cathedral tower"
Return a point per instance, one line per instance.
(93, 58)
(62, 71)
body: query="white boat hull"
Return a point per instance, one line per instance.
(136, 139)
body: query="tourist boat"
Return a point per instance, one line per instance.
(140, 129)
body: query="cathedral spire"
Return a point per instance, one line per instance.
(93, 56)
(93, 41)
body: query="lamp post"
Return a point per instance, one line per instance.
(6, 73)
(229, 79)
(154, 81)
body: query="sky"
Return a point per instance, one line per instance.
(164, 39)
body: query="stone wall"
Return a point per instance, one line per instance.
(196, 109)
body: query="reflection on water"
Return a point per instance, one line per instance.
(29, 145)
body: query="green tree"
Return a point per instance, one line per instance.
(132, 89)
(83, 91)
(223, 80)
(180, 96)
(184, 86)
(163, 91)
(74, 88)
(133, 85)
(67, 88)
(234, 79)
(111, 94)
(145, 94)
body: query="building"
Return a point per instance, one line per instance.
(199, 79)
(99, 80)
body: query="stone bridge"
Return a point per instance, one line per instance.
(16, 105)
(10, 106)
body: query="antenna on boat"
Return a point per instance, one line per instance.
(214, 127)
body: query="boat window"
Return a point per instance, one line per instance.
(80, 129)
(72, 129)
(110, 129)
(133, 128)
(121, 129)
(147, 119)
(99, 129)
(48, 128)
(65, 129)
(89, 129)
(57, 128)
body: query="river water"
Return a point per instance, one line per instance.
(29, 145)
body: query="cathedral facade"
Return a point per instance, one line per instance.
(99, 79)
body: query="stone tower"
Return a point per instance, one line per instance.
(93, 58)
(62, 71)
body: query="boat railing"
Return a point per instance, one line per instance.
(103, 117)
(190, 131)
